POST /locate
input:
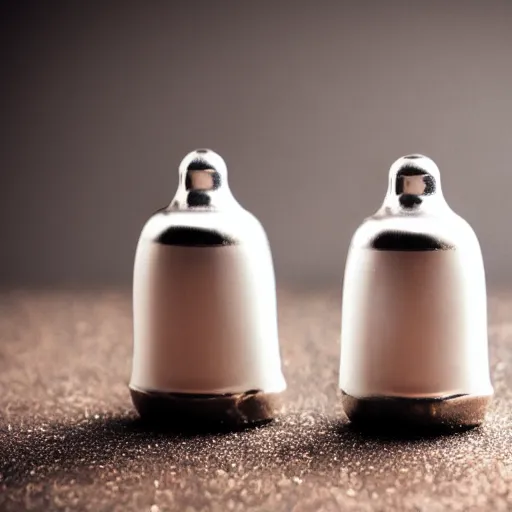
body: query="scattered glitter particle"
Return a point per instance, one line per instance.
(309, 459)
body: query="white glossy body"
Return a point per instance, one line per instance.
(404, 335)
(414, 323)
(205, 319)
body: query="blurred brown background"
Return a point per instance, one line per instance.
(309, 103)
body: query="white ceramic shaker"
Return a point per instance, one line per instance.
(414, 347)
(206, 343)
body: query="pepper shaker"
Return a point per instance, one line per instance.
(414, 347)
(206, 346)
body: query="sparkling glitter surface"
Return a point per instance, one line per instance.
(69, 439)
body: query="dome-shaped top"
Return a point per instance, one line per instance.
(203, 182)
(203, 160)
(413, 179)
(203, 211)
(414, 215)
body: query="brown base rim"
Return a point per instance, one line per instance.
(185, 409)
(461, 411)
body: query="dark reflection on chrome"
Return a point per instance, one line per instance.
(411, 183)
(451, 412)
(402, 241)
(193, 237)
(409, 200)
(200, 164)
(198, 198)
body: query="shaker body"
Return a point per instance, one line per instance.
(205, 320)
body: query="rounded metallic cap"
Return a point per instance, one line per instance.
(415, 164)
(203, 160)
(201, 172)
(412, 178)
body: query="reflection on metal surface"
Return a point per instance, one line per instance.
(190, 411)
(452, 412)
(403, 241)
(202, 182)
(408, 219)
(193, 237)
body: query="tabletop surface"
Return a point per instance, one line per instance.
(69, 439)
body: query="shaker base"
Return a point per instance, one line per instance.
(450, 413)
(200, 411)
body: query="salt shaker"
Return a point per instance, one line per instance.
(206, 343)
(414, 347)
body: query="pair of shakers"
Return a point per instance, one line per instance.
(414, 348)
